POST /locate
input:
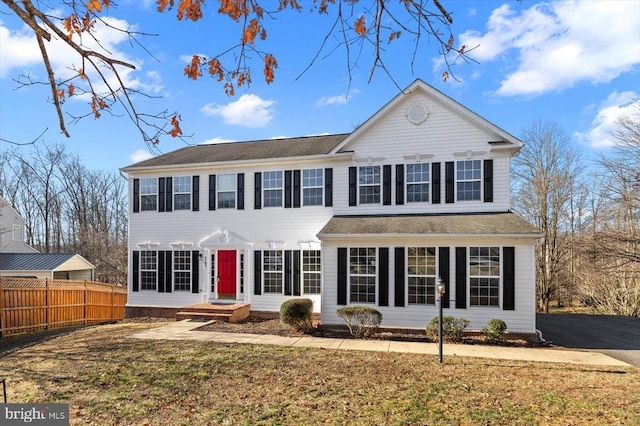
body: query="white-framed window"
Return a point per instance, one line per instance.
(214, 277)
(241, 272)
(272, 188)
(311, 271)
(148, 270)
(17, 233)
(182, 270)
(273, 271)
(369, 184)
(226, 191)
(417, 178)
(468, 179)
(149, 194)
(312, 187)
(421, 275)
(484, 276)
(182, 193)
(362, 275)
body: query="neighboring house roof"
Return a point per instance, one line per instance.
(36, 261)
(494, 224)
(245, 151)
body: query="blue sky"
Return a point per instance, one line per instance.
(576, 63)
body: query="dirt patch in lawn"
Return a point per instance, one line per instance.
(278, 328)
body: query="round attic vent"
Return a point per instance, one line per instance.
(417, 113)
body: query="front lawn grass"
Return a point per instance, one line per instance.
(109, 379)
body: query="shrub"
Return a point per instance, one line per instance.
(452, 328)
(297, 313)
(363, 321)
(494, 330)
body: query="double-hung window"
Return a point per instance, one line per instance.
(182, 193)
(468, 178)
(418, 183)
(18, 233)
(182, 270)
(272, 268)
(226, 191)
(369, 183)
(272, 184)
(311, 271)
(362, 275)
(149, 194)
(312, 187)
(148, 270)
(484, 276)
(421, 274)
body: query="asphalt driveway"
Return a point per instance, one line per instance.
(618, 337)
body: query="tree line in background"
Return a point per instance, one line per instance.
(588, 213)
(69, 208)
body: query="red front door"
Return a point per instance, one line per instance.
(227, 274)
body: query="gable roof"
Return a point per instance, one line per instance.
(244, 151)
(480, 224)
(35, 261)
(505, 137)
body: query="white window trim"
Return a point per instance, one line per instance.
(379, 185)
(435, 277)
(456, 181)
(375, 275)
(264, 272)
(174, 270)
(407, 183)
(140, 271)
(321, 187)
(500, 278)
(265, 189)
(303, 272)
(19, 228)
(148, 194)
(176, 192)
(234, 191)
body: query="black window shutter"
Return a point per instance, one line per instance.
(195, 272)
(287, 189)
(383, 276)
(449, 182)
(509, 279)
(160, 285)
(240, 191)
(353, 186)
(195, 193)
(386, 185)
(135, 279)
(257, 272)
(296, 272)
(461, 278)
(488, 181)
(296, 188)
(136, 195)
(399, 274)
(443, 269)
(257, 196)
(435, 183)
(328, 187)
(287, 272)
(168, 275)
(161, 194)
(169, 201)
(399, 184)
(342, 276)
(212, 192)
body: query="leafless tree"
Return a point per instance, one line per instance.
(546, 175)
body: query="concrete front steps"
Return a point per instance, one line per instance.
(234, 312)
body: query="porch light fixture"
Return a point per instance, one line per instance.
(441, 290)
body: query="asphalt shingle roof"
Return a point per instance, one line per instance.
(244, 151)
(443, 224)
(32, 261)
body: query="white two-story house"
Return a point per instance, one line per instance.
(417, 193)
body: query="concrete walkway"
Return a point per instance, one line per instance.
(185, 330)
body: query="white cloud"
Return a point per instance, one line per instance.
(216, 140)
(559, 44)
(337, 100)
(248, 111)
(617, 105)
(140, 155)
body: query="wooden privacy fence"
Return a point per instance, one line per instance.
(37, 304)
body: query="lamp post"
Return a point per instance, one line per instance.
(440, 294)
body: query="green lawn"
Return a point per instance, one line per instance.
(109, 379)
